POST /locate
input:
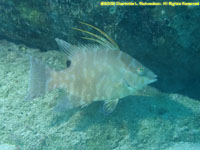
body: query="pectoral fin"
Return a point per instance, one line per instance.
(109, 106)
(64, 104)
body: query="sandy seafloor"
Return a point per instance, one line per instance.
(149, 121)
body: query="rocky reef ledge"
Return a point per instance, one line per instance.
(151, 120)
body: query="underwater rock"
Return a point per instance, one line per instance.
(38, 23)
(152, 120)
(164, 38)
(185, 146)
(7, 147)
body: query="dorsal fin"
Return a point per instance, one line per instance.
(65, 46)
(70, 50)
(103, 33)
(107, 41)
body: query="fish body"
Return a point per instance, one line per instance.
(96, 72)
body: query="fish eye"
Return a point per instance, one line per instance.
(140, 71)
(68, 63)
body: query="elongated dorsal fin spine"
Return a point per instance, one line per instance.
(96, 40)
(103, 33)
(92, 34)
(107, 41)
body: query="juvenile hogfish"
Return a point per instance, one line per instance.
(95, 72)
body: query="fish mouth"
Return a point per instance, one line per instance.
(153, 80)
(151, 75)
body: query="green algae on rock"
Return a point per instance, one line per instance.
(136, 124)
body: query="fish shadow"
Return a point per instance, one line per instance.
(132, 110)
(61, 117)
(129, 112)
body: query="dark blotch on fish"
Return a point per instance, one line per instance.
(68, 63)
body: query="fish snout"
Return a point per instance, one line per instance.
(152, 77)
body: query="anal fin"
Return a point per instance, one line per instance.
(67, 102)
(64, 104)
(109, 106)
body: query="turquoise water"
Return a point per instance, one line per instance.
(164, 115)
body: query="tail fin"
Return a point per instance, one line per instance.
(39, 77)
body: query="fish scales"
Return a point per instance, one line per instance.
(104, 66)
(96, 72)
(92, 68)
